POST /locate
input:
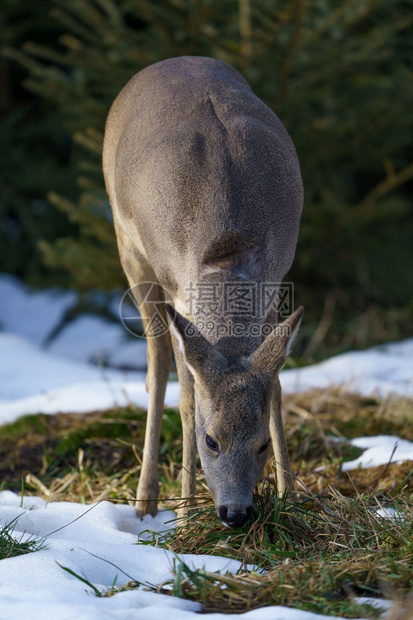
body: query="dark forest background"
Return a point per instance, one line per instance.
(337, 73)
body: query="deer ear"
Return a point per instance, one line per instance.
(199, 354)
(271, 355)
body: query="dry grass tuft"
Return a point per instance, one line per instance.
(318, 554)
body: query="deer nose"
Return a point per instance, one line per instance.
(234, 519)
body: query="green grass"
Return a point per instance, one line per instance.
(12, 546)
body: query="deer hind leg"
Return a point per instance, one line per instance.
(187, 411)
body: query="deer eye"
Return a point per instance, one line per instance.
(211, 443)
(265, 446)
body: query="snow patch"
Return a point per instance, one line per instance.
(379, 450)
(99, 543)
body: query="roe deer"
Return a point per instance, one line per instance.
(206, 194)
